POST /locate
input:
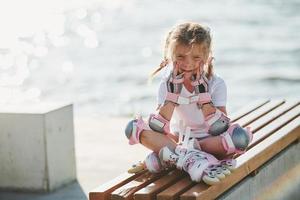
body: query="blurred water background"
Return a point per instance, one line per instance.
(99, 54)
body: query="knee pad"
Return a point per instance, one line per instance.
(159, 124)
(236, 139)
(134, 129)
(218, 123)
(129, 128)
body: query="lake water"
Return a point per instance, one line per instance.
(99, 54)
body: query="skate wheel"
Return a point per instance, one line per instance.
(219, 172)
(225, 170)
(210, 179)
(136, 168)
(230, 164)
(216, 170)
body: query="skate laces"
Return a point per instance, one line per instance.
(189, 158)
(186, 132)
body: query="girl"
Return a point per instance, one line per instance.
(193, 98)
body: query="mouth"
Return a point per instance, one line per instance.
(186, 71)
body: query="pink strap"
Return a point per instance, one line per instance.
(198, 82)
(176, 98)
(210, 119)
(137, 128)
(172, 97)
(228, 144)
(248, 129)
(227, 140)
(176, 80)
(201, 98)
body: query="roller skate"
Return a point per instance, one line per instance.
(152, 163)
(198, 164)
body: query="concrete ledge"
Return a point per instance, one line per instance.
(37, 148)
(252, 186)
(285, 187)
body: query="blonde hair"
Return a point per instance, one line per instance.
(187, 34)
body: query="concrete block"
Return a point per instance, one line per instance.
(36, 147)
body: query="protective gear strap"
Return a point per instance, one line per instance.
(138, 126)
(177, 80)
(214, 117)
(201, 98)
(176, 98)
(227, 140)
(199, 82)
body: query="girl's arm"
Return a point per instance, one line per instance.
(166, 110)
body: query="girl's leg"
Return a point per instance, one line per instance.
(235, 140)
(214, 146)
(155, 141)
(208, 109)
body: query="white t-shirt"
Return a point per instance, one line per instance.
(190, 114)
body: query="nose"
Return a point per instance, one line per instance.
(187, 64)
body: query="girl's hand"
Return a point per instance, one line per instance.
(175, 80)
(199, 80)
(199, 70)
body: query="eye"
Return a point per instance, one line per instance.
(179, 57)
(197, 57)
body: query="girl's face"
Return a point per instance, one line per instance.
(189, 59)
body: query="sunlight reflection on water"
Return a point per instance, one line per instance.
(99, 54)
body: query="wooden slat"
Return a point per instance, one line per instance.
(256, 114)
(103, 192)
(213, 192)
(247, 109)
(254, 157)
(265, 118)
(258, 124)
(175, 190)
(127, 190)
(268, 118)
(277, 124)
(149, 192)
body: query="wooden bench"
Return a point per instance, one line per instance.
(276, 128)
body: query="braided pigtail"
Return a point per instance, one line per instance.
(165, 61)
(210, 68)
